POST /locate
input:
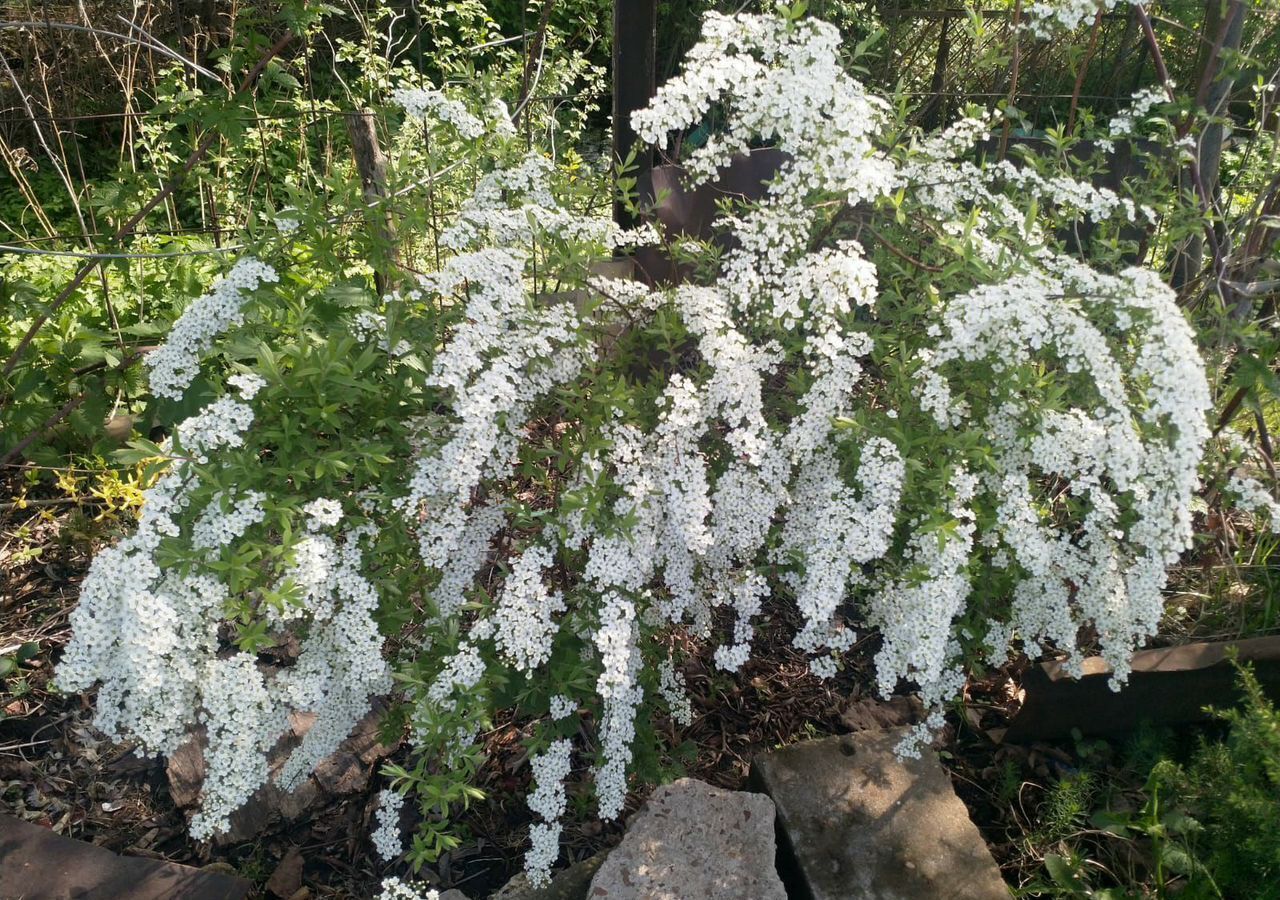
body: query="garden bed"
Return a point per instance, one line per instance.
(1028, 799)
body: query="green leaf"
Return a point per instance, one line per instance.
(348, 294)
(1063, 873)
(1177, 860)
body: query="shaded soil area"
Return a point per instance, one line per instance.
(57, 771)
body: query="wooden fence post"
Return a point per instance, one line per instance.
(634, 34)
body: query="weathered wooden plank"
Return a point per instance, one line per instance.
(1169, 686)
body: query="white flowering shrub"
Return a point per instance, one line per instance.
(506, 484)
(1051, 18)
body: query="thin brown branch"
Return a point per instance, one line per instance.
(1084, 67)
(67, 409)
(900, 253)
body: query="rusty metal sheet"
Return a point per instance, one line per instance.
(691, 211)
(37, 864)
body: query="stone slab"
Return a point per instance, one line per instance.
(571, 883)
(873, 714)
(859, 823)
(344, 772)
(1168, 686)
(37, 864)
(694, 840)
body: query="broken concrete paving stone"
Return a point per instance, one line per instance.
(41, 865)
(694, 840)
(861, 823)
(872, 713)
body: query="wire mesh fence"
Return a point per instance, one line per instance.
(81, 82)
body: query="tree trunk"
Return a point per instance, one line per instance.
(1219, 85)
(1215, 84)
(371, 164)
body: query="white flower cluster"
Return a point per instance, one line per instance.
(915, 612)
(784, 81)
(371, 326)
(420, 103)
(387, 839)
(248, 384)
(1254, 496)
(176, 362)
(322, 512)
(243, 720)
(550, 769)
(523, 613)
(340, 667)
(952, 188)
(834, 528)
(462, 671)
(744, 592)
(1135, 442)
(1127, 121)
(398, 889)
(511, 205)
(620, 691)
(150, 638)
(224, 520)
(562, 707)
(142, 634)
(1050, 18)
(497, 365)
(675, 691)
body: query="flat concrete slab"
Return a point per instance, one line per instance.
(37, 864)
(861, 824)
(692, 840)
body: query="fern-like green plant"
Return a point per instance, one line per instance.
(1232, 788)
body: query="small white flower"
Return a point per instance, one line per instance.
(247, 383)
(397, 889)
(176, 362)
(562, 707)
(387, 838)
(322, 513)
